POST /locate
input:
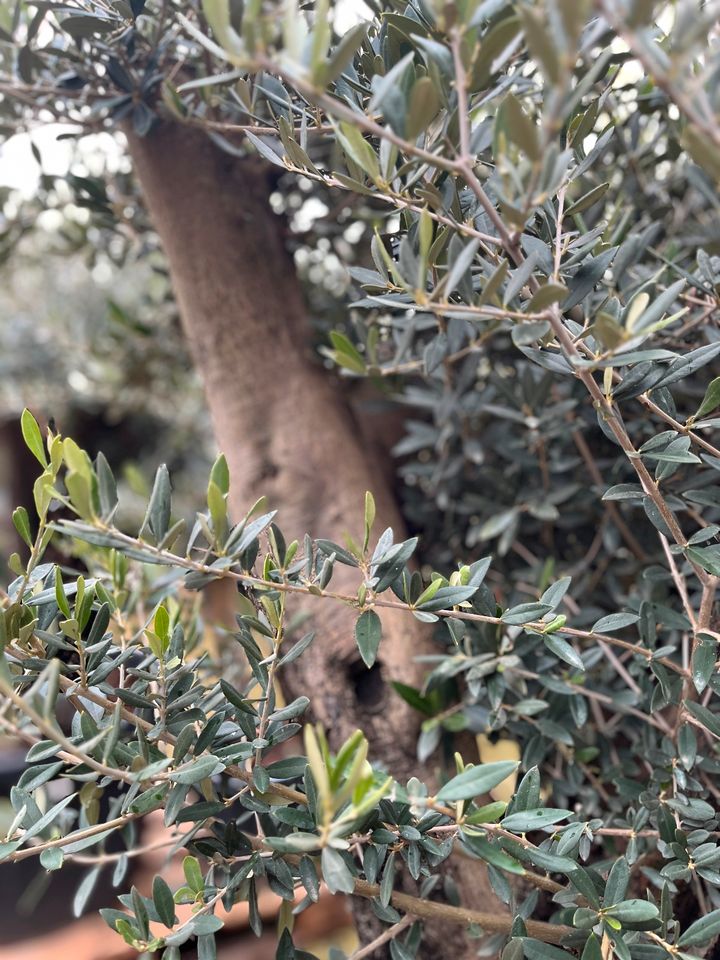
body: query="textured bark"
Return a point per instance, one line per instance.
(281, 422)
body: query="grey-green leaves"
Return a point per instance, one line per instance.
(496, 210)
(519, 127)
(336, 872)
(533, 819)
(704, 657)
(474, 781)
(197, 770)
(157, 517)
(368, 633)
(701, 931)
(164, 902)
(710, 401)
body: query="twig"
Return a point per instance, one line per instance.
(52, 732)
(385, 937)
(490, 922)
(75, 837)
(285, 587)
(679, 582)
(610, 507)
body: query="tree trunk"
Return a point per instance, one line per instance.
(282, 424)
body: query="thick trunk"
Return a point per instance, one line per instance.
(278, 417)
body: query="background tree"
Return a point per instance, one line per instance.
(542, 180)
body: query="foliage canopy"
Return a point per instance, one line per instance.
(540, 292)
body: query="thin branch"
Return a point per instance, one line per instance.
(610, 507)
(385, 937)
(75, 837)
(707, 602)
(490, 922)
(679, 581)
(53, 733)
(337, 108)
(314, 591)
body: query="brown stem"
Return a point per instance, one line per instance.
(707, 602)
(610, 507)
(395, 605)
(615, 425)
(490, 922)
(679, 581)
(385, 937)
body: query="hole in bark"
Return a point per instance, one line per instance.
(367, 684)
(269, 470)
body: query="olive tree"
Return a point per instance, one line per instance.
(538, 188)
